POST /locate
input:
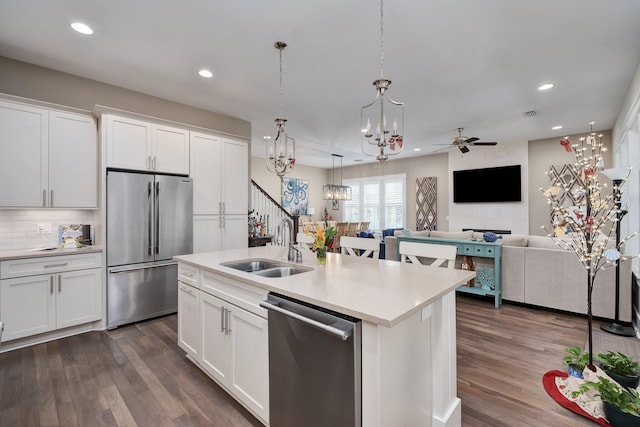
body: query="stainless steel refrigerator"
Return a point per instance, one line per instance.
(149, 220)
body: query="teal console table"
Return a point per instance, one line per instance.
(490, 279)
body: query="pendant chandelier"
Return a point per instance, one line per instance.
(375, 141)
(333, 191)
(281, 152)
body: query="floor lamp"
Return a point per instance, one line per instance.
(615, 327)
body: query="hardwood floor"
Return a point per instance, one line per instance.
(137, 376)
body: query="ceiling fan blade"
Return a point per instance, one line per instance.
(463, 148)
(485, 143)
(470, 140)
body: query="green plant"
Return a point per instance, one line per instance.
(577, 358)
(618, 364)
(627, 400)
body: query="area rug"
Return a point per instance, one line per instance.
(604, 342)
(559, 386)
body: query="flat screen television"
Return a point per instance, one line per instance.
(499, 184)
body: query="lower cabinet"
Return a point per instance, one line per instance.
(35, 304)
(229, 342)
(188, 320)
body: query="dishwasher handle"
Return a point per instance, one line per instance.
(331, 330)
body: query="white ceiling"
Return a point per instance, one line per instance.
(455, 63)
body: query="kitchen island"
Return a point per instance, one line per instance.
(408, 327)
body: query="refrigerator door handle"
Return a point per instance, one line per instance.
(158, 217)
(150, 218)
(140, 267)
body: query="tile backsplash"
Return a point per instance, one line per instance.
(18, 227)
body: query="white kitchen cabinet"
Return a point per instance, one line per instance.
(235, 351)
(217, 232)
(48, 158)
(227, 336)
(39, 295)
(73, 161)
(220, 172)
(140, 145)
(189, 338)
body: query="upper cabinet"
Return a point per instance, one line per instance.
(139, 145)
(48, 158)
(220, 172)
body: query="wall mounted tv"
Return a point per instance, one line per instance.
(500, 184)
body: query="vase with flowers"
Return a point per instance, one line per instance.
(322, 240)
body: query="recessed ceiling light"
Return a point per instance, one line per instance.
(82, 28)
(545, 86)
(557, 127)
(205, 73)
(416, 149)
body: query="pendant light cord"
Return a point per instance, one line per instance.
(381, 38)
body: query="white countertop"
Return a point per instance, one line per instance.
(39, 253)
(378, 291)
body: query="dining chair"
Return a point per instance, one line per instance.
(352, 228)
(341, 228)
(320, 225)
(410, 251)
(363, 226)
(332, 224)
(309, 226)
(359, 246)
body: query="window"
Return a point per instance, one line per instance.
(377, 199)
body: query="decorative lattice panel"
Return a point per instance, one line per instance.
(566, 175)
(426, 203)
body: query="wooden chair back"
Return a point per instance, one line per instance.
(352, 229)
(341, 228)
(363, 226)
(364, 246)
(320, 225)
(309, 226)
(439, 253)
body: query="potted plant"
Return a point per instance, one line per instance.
(575, 361)
(623, 369)
(621, 405)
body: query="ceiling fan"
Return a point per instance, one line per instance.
(462, 142)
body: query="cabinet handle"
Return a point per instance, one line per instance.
(148, 162)
(224, 207)
(44, 198)
(224, 221)
(51, 199)
(64, 264)
(59, 283)
(51, 285)
(228, 328)
(220, 207)
(188, 274)
(222, 319)
(184, 288)
(154, 162)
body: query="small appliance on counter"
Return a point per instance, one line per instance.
(74, 235)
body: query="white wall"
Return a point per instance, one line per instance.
(626, 143)
(512, 216)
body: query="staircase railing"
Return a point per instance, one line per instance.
(271, 211)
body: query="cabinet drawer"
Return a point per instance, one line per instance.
(490, 251)
(44, 265)
(240, 294)
(189, 275)
(479, 250)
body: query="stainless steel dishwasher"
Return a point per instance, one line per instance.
(314, 365)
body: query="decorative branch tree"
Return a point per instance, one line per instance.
(588, 229)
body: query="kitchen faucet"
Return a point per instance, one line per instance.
(294, 252)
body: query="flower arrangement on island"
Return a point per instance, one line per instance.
(322, 240)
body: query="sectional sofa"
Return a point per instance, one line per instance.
(537, 272)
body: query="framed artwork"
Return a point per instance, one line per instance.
(295, 195)
(335, 205)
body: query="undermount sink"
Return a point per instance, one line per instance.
(267, 267)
